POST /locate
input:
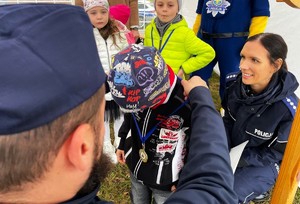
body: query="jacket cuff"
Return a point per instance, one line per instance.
(122, 144)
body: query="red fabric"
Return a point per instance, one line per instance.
(163, 97)
(120, 12)
(130, 38)
(171, 75)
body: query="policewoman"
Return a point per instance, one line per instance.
(226, 25)
(260, 105)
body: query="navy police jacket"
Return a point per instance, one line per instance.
(264, 119)
(207, 176)
(90, 198)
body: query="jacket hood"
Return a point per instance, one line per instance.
(290, 84)
(173, 25)
(282, 85)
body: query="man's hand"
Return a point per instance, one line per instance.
(193, 82)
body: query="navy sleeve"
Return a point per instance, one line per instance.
(228, 123)
(227, 120)
(260, 8)
(199, 6)
(124, 129)
(207, 175)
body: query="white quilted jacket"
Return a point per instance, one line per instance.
(106, 49)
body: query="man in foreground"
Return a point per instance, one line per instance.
(51, 105)
(52, 115)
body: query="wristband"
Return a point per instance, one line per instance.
(134, 28)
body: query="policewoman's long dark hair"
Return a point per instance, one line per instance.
(275, 45)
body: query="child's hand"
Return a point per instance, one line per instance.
(135, 34)
(120, 156)
(173, 188)
(181, 73)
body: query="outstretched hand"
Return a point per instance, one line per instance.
(193, 82)
(135, 34)
(120, 156)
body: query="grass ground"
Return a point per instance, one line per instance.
(116, 187)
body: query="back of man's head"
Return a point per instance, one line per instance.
(50, 74)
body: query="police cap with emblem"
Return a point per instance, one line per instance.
(49, 64)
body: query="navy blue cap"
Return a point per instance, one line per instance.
(49, 64)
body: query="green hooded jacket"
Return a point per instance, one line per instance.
(180, 47)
